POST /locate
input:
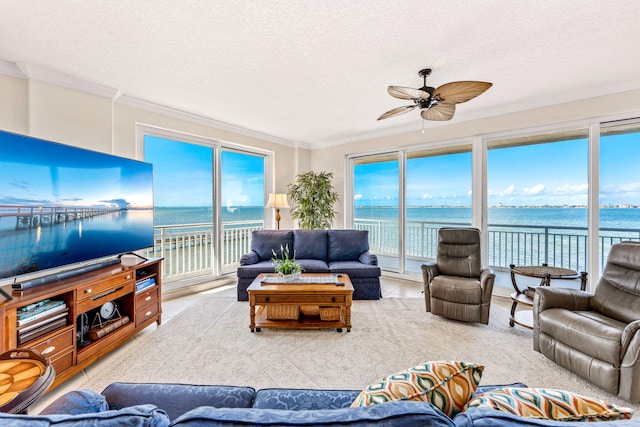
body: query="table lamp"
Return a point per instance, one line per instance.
(277, 201)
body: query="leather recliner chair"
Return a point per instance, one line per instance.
(596, 335)
(456, 286)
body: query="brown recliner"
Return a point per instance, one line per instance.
(456, 286)
(596, 335)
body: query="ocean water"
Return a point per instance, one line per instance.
(625, 218)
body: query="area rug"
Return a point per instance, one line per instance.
(210, 343)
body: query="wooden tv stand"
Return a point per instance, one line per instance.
(84, 295)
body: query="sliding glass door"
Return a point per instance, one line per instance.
(538, 201)
(619, 185)
(438, 194)
(242, 209)
(376, 201)
(208, 198)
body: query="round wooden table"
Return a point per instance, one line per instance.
(525, 296)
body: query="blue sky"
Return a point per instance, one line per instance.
(541, 174)
(183, 175)
(530, 175)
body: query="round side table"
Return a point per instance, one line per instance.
(525, 296)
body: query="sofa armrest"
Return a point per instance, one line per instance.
(547, 297)
(249, 258)
(77, 402)
(429, 271)
(629, 388)
(487, 279)
(628, 334)
(567, 298)
(368, 258)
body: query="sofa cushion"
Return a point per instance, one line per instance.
(463, 290)
(77, 402)
(310, 244)
(263, 242)
(251, 271)
(122, 395)
(347, 245)
(354, 269)
(303, 399)
(399, 413)
(134, 416)
(313, 265)
(549, 404)
(589, 332)
(447, 385)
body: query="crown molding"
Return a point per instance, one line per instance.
(202, 120)
(28, 71)
(65, 80)
(11, 69)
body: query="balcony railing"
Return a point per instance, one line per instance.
(507, 244)
(188, 249)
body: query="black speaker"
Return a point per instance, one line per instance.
(83, 328)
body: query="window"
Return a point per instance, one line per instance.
(208, 198)
(438, 188)
(376, 201)
(619, 185)
(537, 200)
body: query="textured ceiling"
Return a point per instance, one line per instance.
(315, 72)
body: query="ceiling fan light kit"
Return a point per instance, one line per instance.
(435, 103)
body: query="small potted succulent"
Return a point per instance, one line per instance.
(286, 266)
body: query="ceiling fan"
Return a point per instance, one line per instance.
(435, 104)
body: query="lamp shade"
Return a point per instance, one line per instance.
(278, 201)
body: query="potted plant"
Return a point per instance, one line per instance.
(286, 266)
(313, 199)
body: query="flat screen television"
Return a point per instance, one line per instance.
(63, 207)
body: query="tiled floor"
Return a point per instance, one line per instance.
(171, 307)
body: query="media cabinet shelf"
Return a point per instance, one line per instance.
(85, 294)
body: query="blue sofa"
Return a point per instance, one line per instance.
(182, 405)
(318, 251)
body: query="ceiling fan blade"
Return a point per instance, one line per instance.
(407, 92)
(440, 112)
(458, 92)
(397, 111)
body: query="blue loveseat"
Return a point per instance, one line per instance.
(318, 251)
(182, 405)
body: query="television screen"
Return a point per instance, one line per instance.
(62, 205)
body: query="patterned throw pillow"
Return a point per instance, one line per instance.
(548, 404)
(447, 385)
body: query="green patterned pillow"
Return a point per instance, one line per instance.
(448, 385)
(548, 404)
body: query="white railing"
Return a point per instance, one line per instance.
(507, 244)
(188, 249)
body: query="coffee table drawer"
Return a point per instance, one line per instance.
(312, 299)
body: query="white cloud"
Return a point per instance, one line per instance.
(627, 187)
(427, 196)
(357, 197)
(569, 190)
(510, 190)
(534, 191)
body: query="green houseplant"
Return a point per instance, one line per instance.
(286, 266)
(313, 199)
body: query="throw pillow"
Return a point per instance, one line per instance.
(447, 385)
(548, 404)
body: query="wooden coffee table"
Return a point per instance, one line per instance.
(329, 292)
